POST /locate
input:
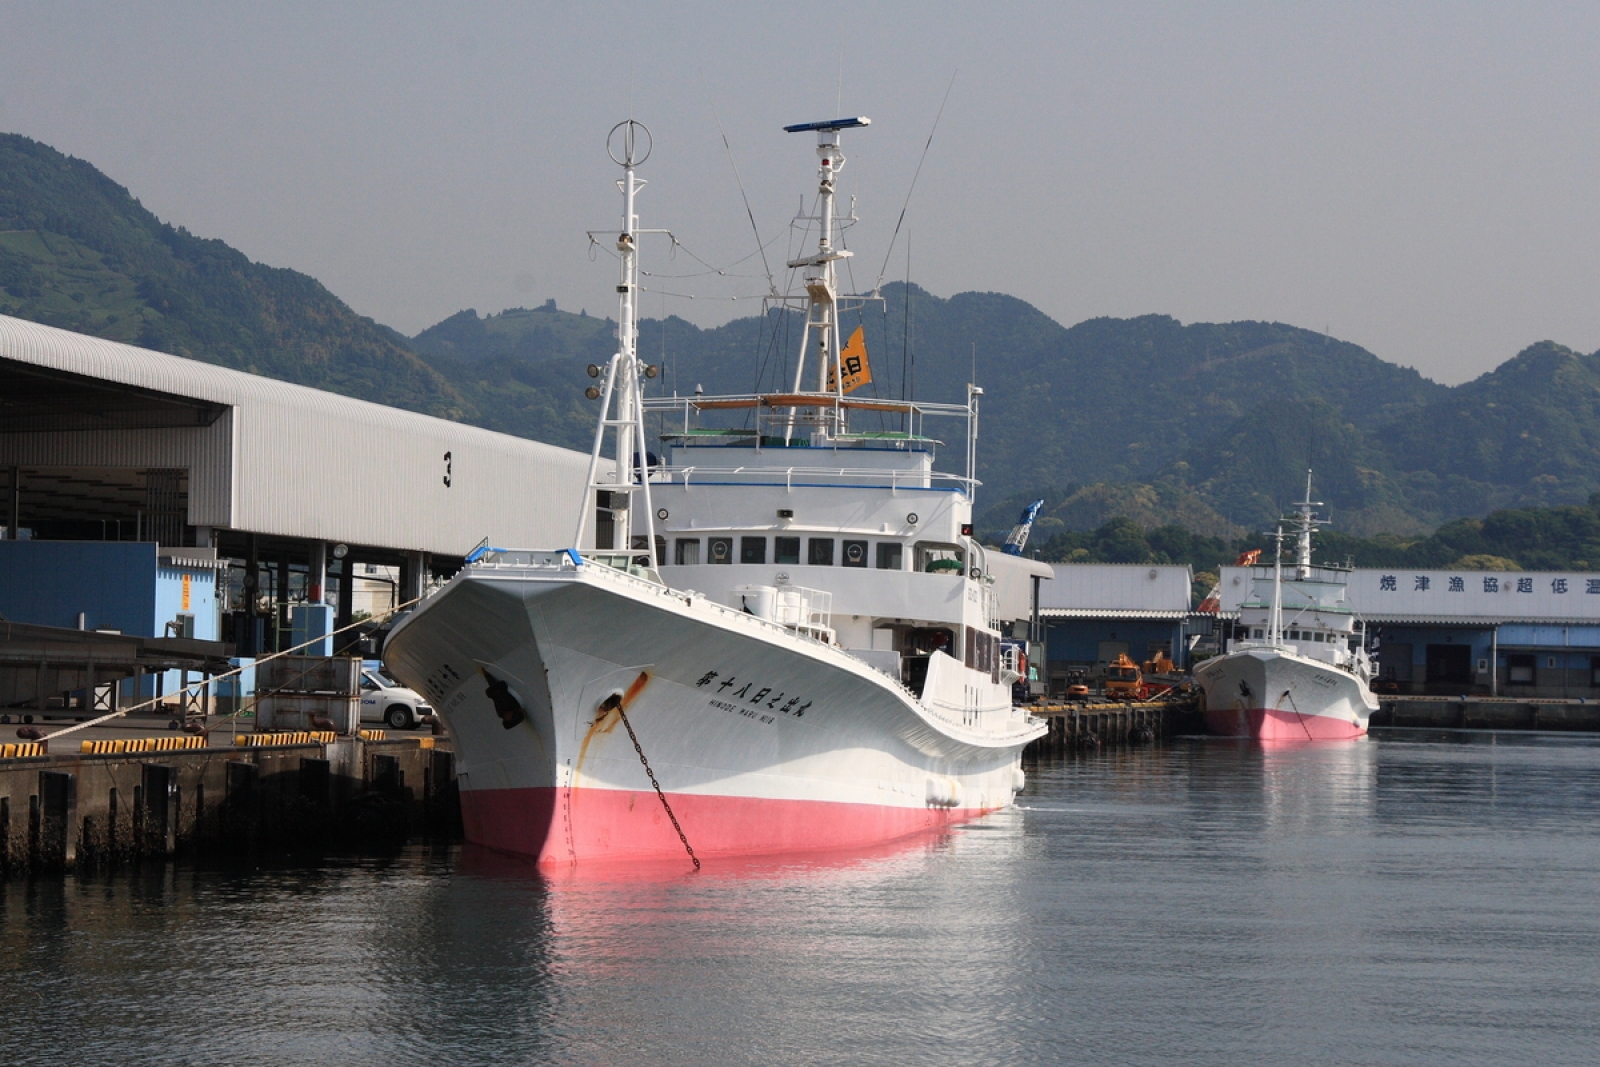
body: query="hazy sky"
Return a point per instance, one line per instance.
(1421, 179)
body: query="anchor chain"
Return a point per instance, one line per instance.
(663, 797)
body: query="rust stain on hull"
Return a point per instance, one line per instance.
(608, 714)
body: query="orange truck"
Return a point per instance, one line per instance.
(1123, 680)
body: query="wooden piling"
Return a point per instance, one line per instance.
(1080, 726)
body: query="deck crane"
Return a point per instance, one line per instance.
(1018, 537)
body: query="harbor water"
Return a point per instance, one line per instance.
(1413, 898)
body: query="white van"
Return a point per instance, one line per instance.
(387, 701)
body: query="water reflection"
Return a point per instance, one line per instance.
(1318, 787)
(1406, 899)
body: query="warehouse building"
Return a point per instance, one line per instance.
(1442, 632)
(162, 497)
(1093, 612)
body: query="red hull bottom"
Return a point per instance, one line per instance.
(558, 826)
(1273, 724)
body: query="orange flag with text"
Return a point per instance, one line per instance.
(857, 371)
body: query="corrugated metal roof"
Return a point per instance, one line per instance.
(76, 353)
(299, 462)
(1119, 587)
(1109, 613)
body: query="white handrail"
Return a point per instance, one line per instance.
(666, 474)
(687, 403)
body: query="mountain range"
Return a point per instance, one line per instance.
(1207, 426)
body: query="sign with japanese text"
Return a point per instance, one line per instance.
(1385, 592)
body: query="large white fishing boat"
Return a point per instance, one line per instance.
(1298, 668)
(783, 637)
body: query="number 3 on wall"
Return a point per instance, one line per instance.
(447, 470)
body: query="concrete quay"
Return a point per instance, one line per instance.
(285, 795)
(1488, 713)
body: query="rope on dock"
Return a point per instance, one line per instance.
(120, 712)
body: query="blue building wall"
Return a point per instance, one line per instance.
(1563, 657)
(1530, 636)
(47, 583)
(202, 600)
(1393, 640)
(1077, 641)
(116, 585)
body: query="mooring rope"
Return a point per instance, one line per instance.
(226, 674)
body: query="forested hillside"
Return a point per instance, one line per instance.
(1207, 427)
(77, 251)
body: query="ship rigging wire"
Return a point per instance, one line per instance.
(883, 271)
(749, 212)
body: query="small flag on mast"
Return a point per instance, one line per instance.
(857, 371)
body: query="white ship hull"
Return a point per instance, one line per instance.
(1273, 694)
(762, 740)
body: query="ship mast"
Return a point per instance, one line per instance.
(1305, 522)
(1275, 618)
(822, 293)
(621, 399)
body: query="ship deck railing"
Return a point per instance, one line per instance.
(793, 477)
(793, 402)
(1244, 644)
(743, 436)
(785, 414)
(617, 566)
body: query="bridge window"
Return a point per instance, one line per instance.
(686, 553)
(786, 550)
(890, 554)
(937, 558)
(721, 549)
(820, 552)
(752, 550)
(855, 553)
